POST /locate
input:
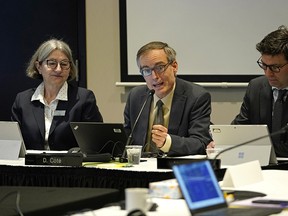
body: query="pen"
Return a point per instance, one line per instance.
(282, 203)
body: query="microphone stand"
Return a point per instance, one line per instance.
(123, 158)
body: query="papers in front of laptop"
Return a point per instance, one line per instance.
(274, 184)
(192, 157)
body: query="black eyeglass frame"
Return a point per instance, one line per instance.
(157, 69)
(273, 68)
(62, 64)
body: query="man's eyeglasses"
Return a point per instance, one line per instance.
(52, 64)
(273, 68)
(157, 69)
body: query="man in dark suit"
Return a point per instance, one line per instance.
(44, 113)
(261, 102)
(186, 106)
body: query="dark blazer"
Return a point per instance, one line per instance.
(81, 106)
(257, 109)
(189, 117)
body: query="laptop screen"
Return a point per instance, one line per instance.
(199, 185)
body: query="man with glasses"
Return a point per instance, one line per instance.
(44, 113)
(265, 101)
(185, 106)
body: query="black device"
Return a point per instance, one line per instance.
(129, 140)
(169, 162)
(101, 157)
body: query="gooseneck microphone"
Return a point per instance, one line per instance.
(129, 140)
(281, 131)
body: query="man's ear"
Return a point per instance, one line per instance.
(175, 67)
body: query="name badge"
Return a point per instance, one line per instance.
(59, 113)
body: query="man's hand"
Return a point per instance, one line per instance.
(159, 134)
(211, 145)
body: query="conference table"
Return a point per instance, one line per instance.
(92, 175)
(119, 176)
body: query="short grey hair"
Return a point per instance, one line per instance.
(42, 53)
(170, 52)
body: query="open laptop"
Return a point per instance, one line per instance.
(226, 136)
(11, 142)
(202, 193)
(95, 137)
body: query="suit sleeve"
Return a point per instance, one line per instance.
(243, 116)
(16, 111)
(198, 129)
(127, 120)
(91, 111)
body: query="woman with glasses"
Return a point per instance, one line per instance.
(185, 107)
(44, 113)
(265, 101)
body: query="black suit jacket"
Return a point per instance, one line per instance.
(257, 109)
(81, 106)
(189, 117)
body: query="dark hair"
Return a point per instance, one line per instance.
(170, 52)
(275, 43)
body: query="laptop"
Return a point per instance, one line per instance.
(97, 138)
(202, 193)
(226, 136)
(11, 141)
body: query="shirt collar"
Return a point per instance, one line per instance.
(167, 100)
(39, 93)
(273, 88)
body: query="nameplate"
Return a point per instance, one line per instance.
(54, 159)
(243, 174)
(59, 113)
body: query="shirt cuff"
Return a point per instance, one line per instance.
(167, 145)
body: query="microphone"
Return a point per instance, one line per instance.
(281, 131)
(129, 140)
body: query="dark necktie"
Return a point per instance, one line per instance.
(277, 115)
(159, 119)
